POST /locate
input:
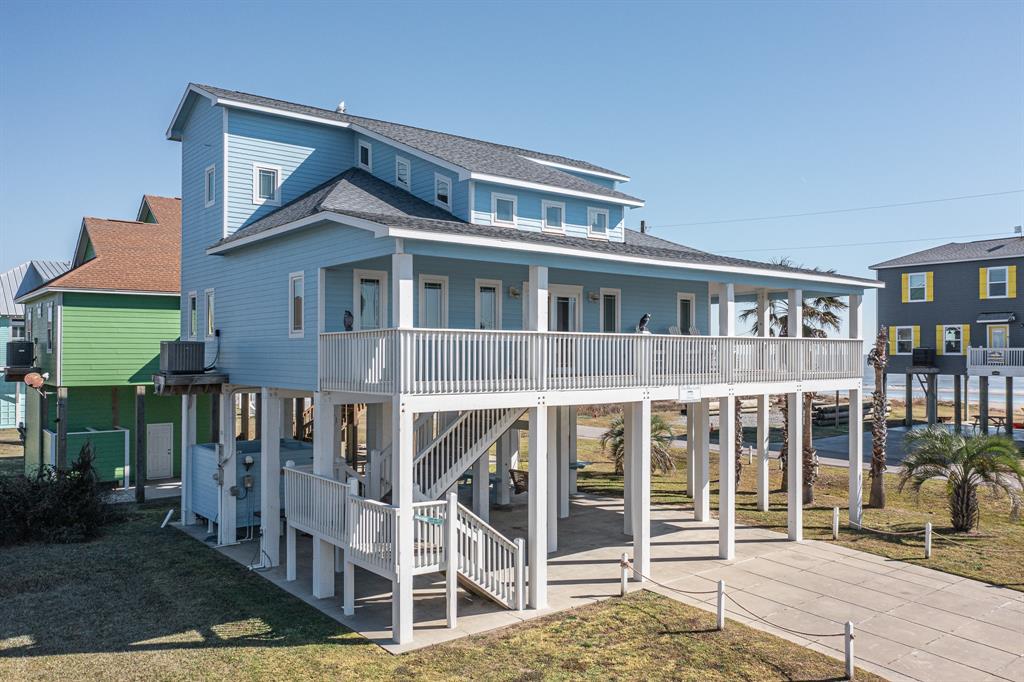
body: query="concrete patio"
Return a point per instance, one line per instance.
(912, 623)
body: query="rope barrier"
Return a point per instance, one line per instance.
(888, 532)
(986, 550)
(629, 564)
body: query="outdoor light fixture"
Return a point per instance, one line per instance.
(513, 292)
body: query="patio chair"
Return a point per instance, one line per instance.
(520, 480)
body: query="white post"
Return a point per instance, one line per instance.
(348, 580)
(727, 478)
(502, 464)
(289, 543)
(226, 518)
(763, 481)
(538, 300)
(403, 290)
(552, 476)
(401, 497)
(538, 499)
(702, 476)
(641, 481)
(324, 428)
(856, 425)
(721, 605)
(287, 418)
(691, 451)
(452, 555)
(623, 574)
(573, 457)
(835, 523)
(188, 440)
(482, 486)
(628, 433)
(851, 666)
(794, 458)
(270, 478)
(928, 540)
(563, 462)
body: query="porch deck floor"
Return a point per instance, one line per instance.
(911, 622)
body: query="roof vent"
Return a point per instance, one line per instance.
(341, 107)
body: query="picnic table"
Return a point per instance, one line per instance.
(998, 421)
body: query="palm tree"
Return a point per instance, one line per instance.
(966, 463)
(878, 357)
(614, 439)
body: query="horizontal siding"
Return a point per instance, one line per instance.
(529, 205)
(35, 317)
(421, 180)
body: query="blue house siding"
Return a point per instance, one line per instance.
(529, 216)
(421, 175)
(12, 399)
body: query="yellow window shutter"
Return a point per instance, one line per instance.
(906, 287)
(939, 344)
(929, 290)
(967, 338)
(892, 340)
(917, 336)
(1011, 281)
(982, 283)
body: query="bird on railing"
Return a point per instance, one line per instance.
(642, 326)
(348, 320)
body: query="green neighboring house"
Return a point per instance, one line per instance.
(96, 331)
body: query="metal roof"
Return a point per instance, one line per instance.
(953, 252)
(11, 281)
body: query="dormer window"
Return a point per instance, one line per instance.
(403, 173)
(503, 209)
(442, 191)
(365, 156)
(554, 216)
(266, 185)
(597, 219)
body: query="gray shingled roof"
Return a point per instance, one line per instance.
(475, 156)
(359, 194)
(1007, 247)
(10, 282)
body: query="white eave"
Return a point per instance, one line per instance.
(36, 293)
(576, 169)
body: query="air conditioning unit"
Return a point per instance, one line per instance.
(923, 357)
(19, 354)
(182, 357)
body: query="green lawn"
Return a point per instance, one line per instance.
(149, 603)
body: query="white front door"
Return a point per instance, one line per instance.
(565, 304)
(159, 451)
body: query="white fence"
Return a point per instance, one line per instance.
(437, 362)
(1007, 361)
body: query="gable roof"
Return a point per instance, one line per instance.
(486, 159)
(165, 210)
(32, 272)
(360, 195)
(953, 252)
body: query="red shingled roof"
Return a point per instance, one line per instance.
(131, 256)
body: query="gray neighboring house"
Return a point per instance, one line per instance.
(954, 310)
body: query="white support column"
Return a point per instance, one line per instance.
(287, 418)
(538, 516)
(702, 454)
(552, 476)
(563, 462)
(795, 456)
(188, 439)
(573, 455)
(856, 424)
(270, 479)
(402, 455)
(727, 477)
(325, 425)
(627, 470)
(538, 302)
(482, 487)
(763, 405)
(641, 481)
(502, 464)
(226, 519)
(691, 450)
(403, 290)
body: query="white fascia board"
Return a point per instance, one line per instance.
(181, 105)
(377, 229)
(576, 169)
(499, 180)
(32, 295)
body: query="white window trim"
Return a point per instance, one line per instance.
(408, 185)
(572, 290)
(193, 303)
(356, 312)
(692, 298)
(495, 197)
(433, 279)
(896, 349)
(591, 212)
(451, 187)
(209, 301)
(209, 196)
(1005, 282)
(963, 351)
(924, 299)
(496, 283)
(368, 167)
(301, 331)
(544, 205)
(49, 327)
(256, 168)
(617, 293)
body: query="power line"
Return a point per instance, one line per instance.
(843, 210)
(878, 243)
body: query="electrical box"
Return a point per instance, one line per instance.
(248, 481)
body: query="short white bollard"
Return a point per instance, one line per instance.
(850, 667)
(624, 575)
(835, 523)
(167, 519)
(721, 604)
(928, 540)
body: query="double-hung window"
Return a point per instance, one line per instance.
(488, 304)
(365, 156)
(917, 287)
(597, 219)
(266, 185)
(442, 191)
(503, 209)
(998, 282)
(433, 301)
(904, 340)
(953, 339)
(210, 186)
(403, 173)
(210, 325)
(192, 321)
(296, 299)
(370, 293)
(554, 215)
(18, 331)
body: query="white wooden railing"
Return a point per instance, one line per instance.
(372, 528)
(436, 362)
(429, 546)
(315, 504)
(1002, 360)
(490, 560)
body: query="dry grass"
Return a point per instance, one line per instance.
(12, 454)
(145, 603)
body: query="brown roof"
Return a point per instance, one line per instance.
(131, 256)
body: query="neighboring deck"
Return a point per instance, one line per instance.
(1006, 362)
(509, 368)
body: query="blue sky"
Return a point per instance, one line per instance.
(717, 111)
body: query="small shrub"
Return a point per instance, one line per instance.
(54, 505)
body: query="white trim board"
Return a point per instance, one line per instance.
(423, 280)
(357, 312)
(36, 293)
